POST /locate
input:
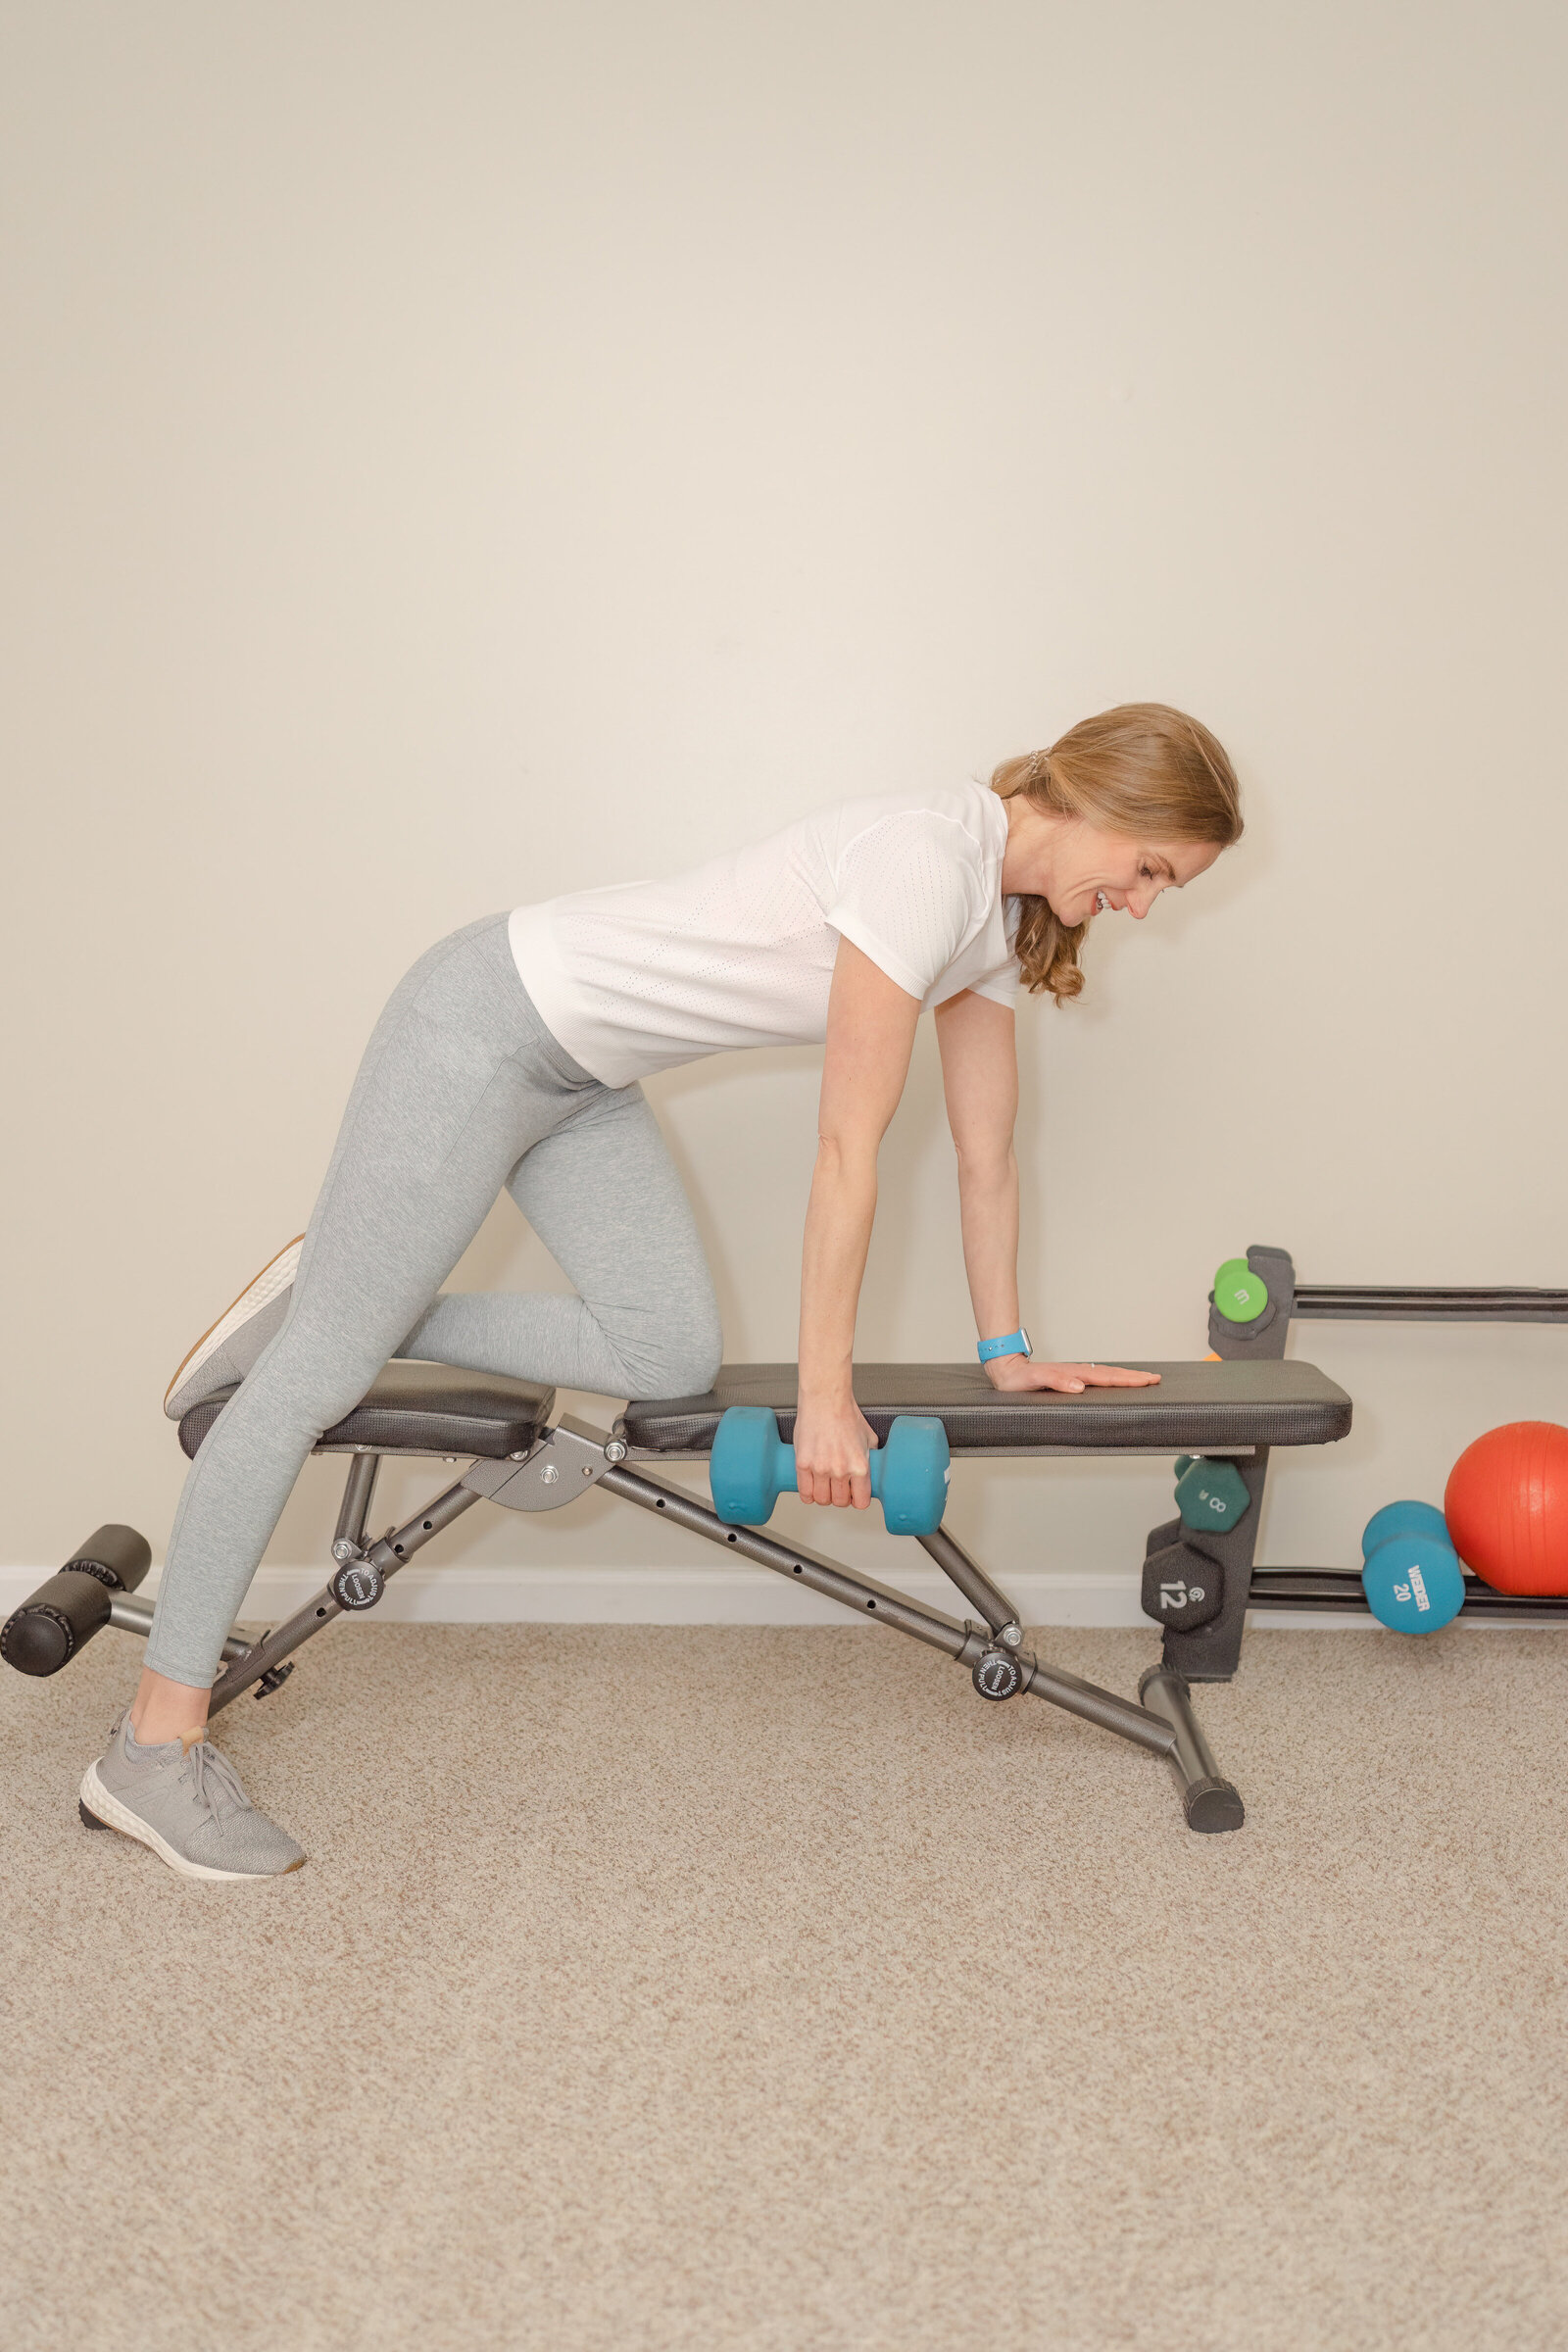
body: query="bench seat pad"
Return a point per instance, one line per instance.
(421, 1408)
(1196, 1406)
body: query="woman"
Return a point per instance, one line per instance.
(511, 1055)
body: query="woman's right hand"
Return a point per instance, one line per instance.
(833, 1447)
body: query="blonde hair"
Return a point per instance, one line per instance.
(1141, 769)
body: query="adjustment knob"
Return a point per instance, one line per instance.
(358, 1585)
(996, 1674)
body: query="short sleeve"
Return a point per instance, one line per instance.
(1000, 984)
(1000, 987)
(908, 892)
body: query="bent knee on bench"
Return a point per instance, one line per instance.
(678, 1363)
(305, 1387)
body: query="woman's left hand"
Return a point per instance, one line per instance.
(1018, 1372)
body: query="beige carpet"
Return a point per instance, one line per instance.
(767, 1989)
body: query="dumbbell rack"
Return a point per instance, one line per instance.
(1212, 1652)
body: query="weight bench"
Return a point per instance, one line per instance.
(522, 1460)
(1233, 1408)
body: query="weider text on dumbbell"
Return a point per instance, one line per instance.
(1411, 1573)
(750, 1467)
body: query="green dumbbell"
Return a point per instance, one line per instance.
(1210, 1495)
(1239, 1294)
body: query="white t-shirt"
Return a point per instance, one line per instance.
(644, 975)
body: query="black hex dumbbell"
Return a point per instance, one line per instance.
(1183, 1587)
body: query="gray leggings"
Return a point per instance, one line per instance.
(461, 1091)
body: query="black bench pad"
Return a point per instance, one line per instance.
(421, 1408)
(1196, 1406)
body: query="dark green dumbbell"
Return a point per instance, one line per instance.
(1211, 1496)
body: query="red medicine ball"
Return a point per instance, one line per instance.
(1506, 1505)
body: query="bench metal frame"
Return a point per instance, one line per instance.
(569, 1456)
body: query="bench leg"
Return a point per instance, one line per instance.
(264, 1661)
(975, 1586)
(1210, 1802)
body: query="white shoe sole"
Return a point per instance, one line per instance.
(114, 1816)
(277, 1275)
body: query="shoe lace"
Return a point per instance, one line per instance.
(213, 1777)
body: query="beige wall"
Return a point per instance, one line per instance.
(461, 453)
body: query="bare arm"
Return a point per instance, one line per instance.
(980, 1084)
(870, 1036)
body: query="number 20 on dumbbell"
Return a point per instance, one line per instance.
(750, 1467)
(1411, 1573)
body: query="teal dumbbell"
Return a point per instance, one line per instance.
(1411, 1578)
(751, 1467)
(1210, 1495)
(1403, 1519)
(1239, 1294)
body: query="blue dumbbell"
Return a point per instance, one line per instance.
(1403, 1519)
(751, 1467)
(1412, 1578)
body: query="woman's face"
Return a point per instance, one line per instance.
(1082, 872)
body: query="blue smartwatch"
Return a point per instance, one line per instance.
(1012, 1342)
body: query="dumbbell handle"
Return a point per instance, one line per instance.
(789, 1482)
(751, 1466)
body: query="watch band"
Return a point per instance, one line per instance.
(1012, 1342)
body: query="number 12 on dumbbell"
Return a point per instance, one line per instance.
(750, 1467)
(1177, 1596)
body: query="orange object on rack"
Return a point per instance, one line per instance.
(1506, 1505)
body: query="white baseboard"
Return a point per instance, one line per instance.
(678, 1596)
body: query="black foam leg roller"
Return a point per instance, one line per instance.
(116, 1555)
(53, 1623)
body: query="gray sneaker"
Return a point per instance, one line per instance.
(184, 1800)
(226, 1353)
